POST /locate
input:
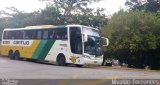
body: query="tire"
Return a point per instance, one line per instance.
(11, 55)
(61, 60)
(16, 55)
(79, 65)
(103, 63)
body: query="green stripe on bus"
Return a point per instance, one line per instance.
(39, 49)
(46, 49)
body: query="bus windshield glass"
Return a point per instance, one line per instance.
(93, 46)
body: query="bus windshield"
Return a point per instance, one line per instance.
(93, 46)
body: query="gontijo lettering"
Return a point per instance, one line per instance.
(21, 42)
(17, 42)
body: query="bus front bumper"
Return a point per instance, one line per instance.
(92, 61)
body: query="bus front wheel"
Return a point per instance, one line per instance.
(78, 65)
(61, 60)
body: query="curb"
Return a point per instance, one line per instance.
(123, 68)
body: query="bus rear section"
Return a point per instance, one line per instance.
(32, 42)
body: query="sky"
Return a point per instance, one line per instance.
(111, 6)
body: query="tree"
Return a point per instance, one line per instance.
(134, 38)
(144, 5)
(70, 7)
(51, 15)
(90, 18)
(18, 18)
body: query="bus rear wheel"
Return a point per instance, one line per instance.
(61, 60)
(11, 55)
(16, 55)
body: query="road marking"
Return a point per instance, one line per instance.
(75, 75)
(64, 82)
(94, 82)
(99, 81)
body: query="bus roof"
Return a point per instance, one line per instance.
(47, 27)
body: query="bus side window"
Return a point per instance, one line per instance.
(33, 36)
(45, 34)
(51, 34)
(61, 33)
(57, 34)
(27, 34)
(13, 35)
(39, 34)
(22, 34)
(18, 34)
(10, 35)
(5, 36)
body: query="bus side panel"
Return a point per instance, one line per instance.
(39, 49)
(60, 46)
(43, 49)
(25, 51)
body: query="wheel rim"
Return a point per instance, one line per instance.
(16, 56)
(10, 55)
(61, 61)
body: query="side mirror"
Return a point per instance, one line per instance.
(105, 41)
(85, 37)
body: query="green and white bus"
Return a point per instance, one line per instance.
(67, 44)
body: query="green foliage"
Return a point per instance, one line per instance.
(144, 5)
(133, 34)
(87, 17)
(69, 8)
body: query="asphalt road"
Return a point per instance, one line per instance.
(14, 69)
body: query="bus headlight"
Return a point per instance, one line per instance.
(85, 56)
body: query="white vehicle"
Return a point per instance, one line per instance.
(67, 44)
